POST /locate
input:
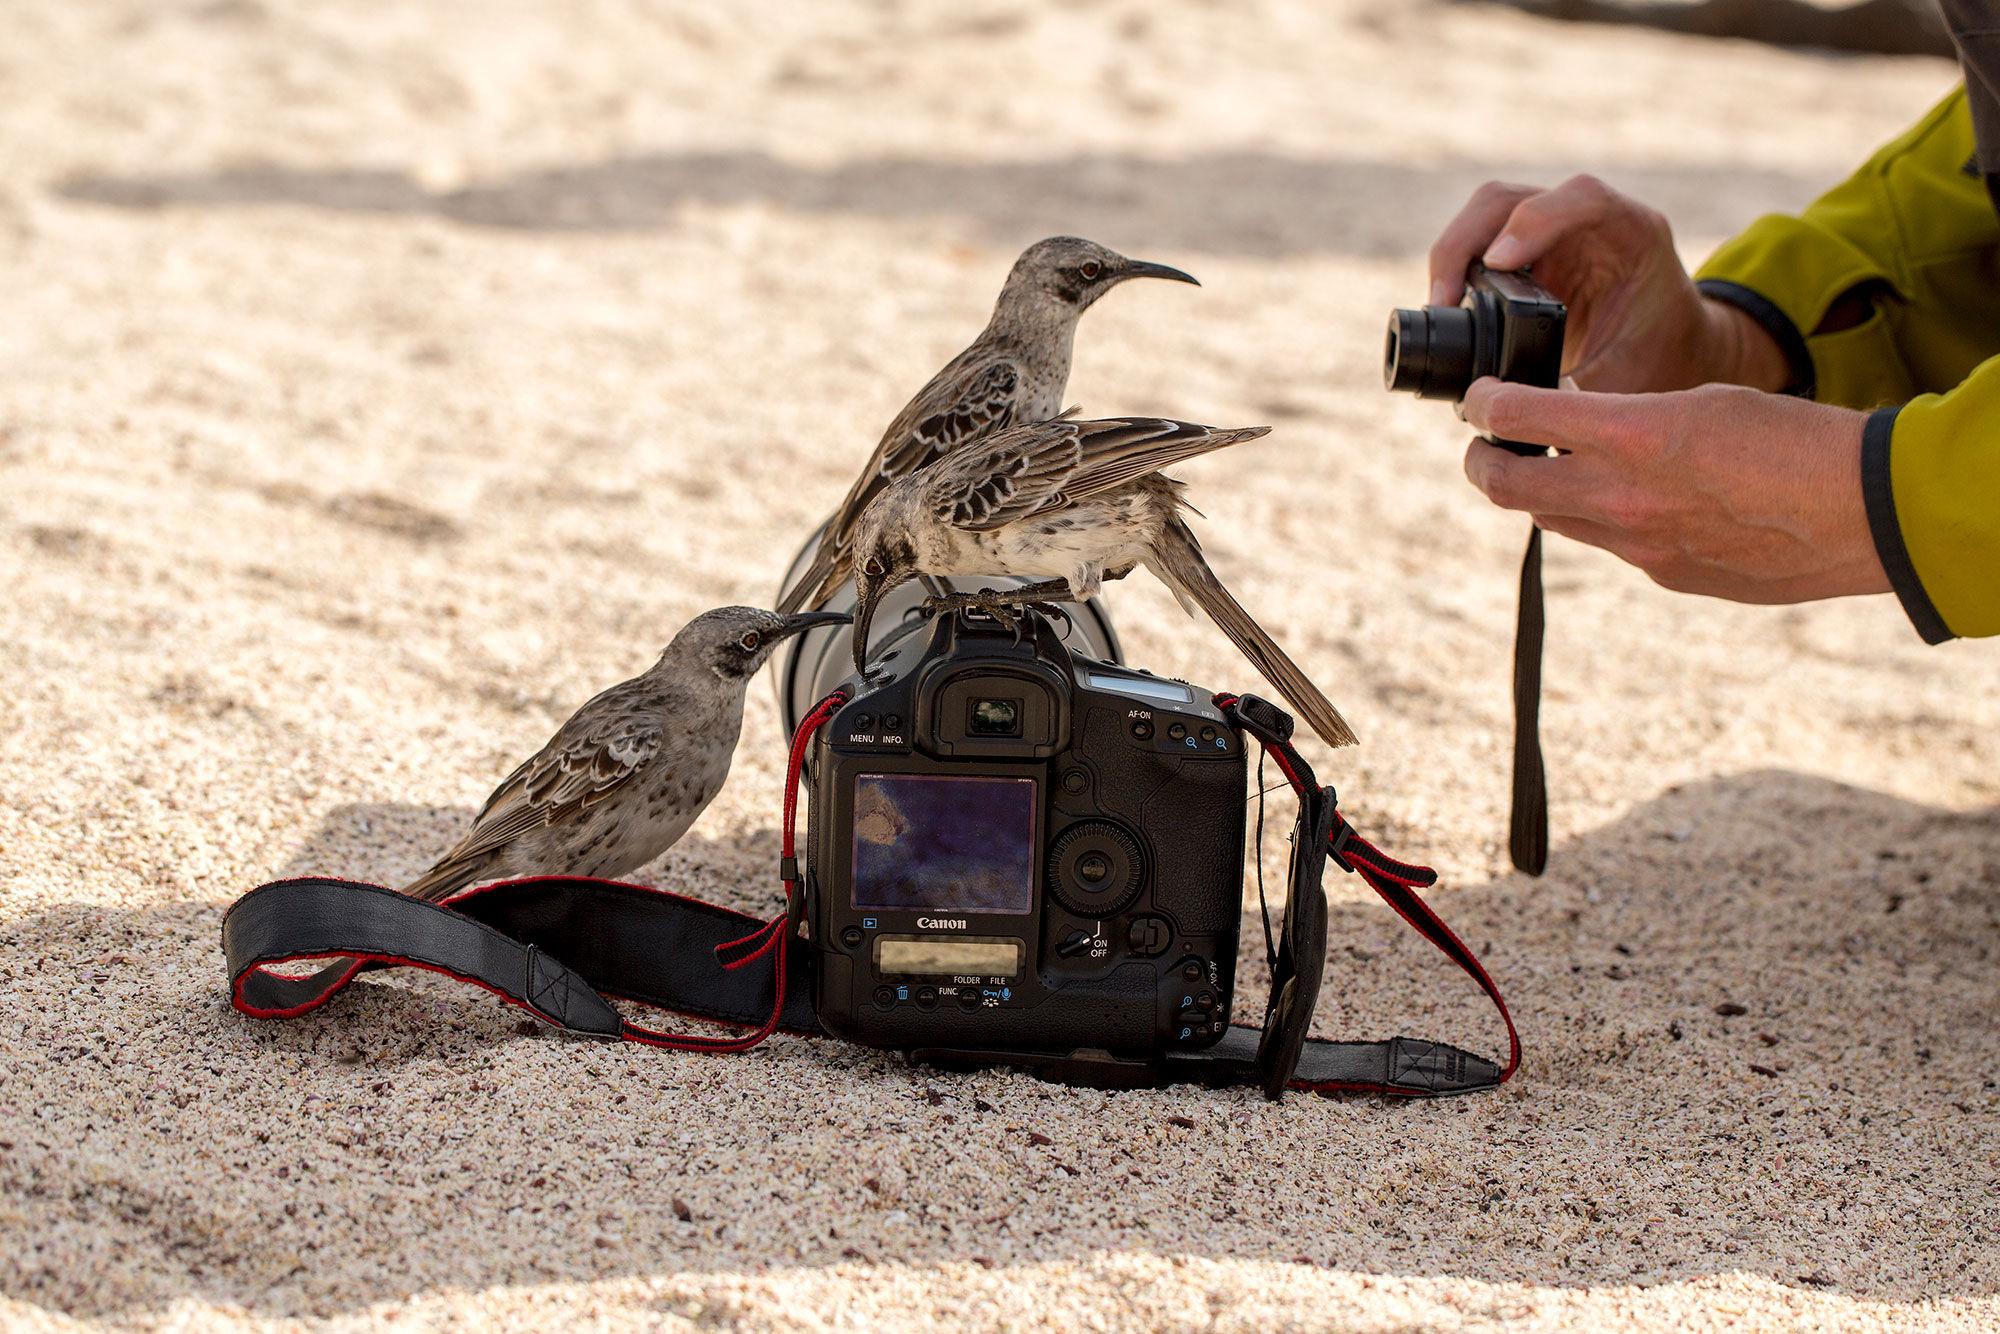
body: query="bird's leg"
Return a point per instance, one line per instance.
(995, 600)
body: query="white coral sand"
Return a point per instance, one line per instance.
(377, 381)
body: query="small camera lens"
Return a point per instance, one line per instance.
(1429, 352)
(995, 717)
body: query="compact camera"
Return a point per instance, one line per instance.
(1508, 325)
(1017, 848)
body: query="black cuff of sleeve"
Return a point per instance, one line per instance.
(1776, 323)
(1888, 533)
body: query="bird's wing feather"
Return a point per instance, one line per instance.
(1120, 450)
(1051, 465)
(952, 410)
(973, 396)
(1007, 477)
(596, 753)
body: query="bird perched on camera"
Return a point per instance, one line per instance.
(1014, 372)
(622, 780)
(1074, 502)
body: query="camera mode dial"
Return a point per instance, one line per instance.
(1094, 869)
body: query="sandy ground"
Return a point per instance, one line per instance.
(377, 381)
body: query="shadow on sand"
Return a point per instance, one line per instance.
(1255, 204)
(1759, 1011)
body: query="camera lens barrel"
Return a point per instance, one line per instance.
(1430, 352)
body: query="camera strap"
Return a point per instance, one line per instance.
(1528, 811)
(560, 946)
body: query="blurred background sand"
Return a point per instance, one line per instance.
(379, 380)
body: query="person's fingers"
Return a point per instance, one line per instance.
(1566, 486)
(1618, 542)
(1466, 235)
(1591, 424)
(1541, 220)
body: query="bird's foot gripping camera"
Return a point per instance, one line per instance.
(1019, 854)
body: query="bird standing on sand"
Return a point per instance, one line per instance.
(1014, 372)
(1074, 502)
(625, 777)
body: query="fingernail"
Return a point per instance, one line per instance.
(1504, 253)
(1438, 293)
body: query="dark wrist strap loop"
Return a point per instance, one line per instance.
(1528, 813)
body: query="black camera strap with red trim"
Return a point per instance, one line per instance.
(558, 946)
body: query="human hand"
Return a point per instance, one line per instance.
(1719, 490)
(1636, 321)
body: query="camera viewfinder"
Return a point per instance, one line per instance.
(994, 717)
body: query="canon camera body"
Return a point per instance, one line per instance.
(1016, 848)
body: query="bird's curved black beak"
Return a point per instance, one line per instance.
(806, 620)
(864, 614)
(1145, 268)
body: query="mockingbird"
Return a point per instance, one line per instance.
(1013, 372)
(623, 779)
(1074, 502)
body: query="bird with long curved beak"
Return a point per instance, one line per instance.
(1073, 503)
(621, 781)
(1013, 373)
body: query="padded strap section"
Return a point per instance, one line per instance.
(315, 918)
(646, 945)
(1400, 1067)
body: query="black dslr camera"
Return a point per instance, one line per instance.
(1508, 325)
(1017, 849)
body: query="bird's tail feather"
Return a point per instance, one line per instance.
(810, 591)
(1182, 569)
(447, 878)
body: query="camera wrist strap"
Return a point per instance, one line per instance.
(1528, 810)
(557, 946)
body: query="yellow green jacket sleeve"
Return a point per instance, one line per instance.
(1916, 235)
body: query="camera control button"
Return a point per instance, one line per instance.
(885, 996)
(927, 997)
(851, 937)
(968, 1000)
(861, 722)
(1148, 936)
(1075, 781)
(1142, 729)
(1208, 734)
(892, 722)
(1193, 971)
(1177, 731)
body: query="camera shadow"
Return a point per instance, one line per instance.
(1760, 1012)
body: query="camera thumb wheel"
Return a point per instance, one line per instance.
(1094, 869)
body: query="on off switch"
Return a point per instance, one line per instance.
(1075, 943)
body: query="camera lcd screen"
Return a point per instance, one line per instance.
(948, 844)
(1145, 688)
(984, 957)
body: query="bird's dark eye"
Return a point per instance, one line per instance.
(873, 569)
(751, 639)
(1090, 268)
